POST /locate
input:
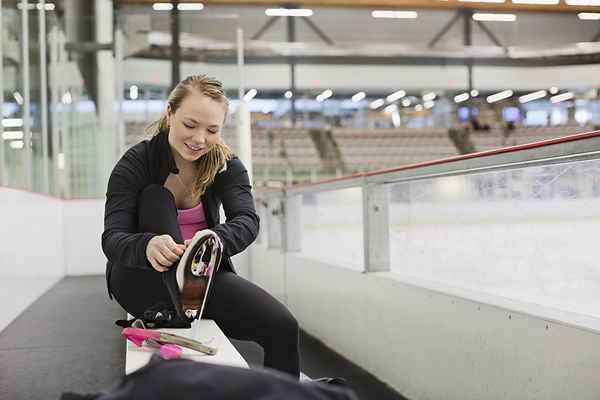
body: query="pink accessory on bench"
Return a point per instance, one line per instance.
(139, 336)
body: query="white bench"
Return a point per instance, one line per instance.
(205, 331)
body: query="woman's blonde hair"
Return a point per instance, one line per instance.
(212, 162)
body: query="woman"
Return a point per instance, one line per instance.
(163, 191)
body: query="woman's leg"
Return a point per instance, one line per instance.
(137, 289)
(244, 311)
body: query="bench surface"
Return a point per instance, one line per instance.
(205, 331)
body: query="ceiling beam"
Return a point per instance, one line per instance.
(507, 6)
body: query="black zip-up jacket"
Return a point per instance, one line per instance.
(151, 162)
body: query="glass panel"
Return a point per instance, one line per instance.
(527, 234)
(332, 224)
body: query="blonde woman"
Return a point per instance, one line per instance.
(164, 191)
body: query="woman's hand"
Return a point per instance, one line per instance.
(162, 252)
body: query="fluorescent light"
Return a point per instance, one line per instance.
(12, 135)
(18, 97)
(429, 96)
(12, 122)
(396, 96)
(532, 96)
(390, 109)
(67, 98)
(494, 17)
(250, 94)
(325, 95)
(17, 144)
(561, 97)
(288, 94)
(60, 160)
(418, 107)
(377, 103)
(190, 6)
(396, 119)
(359, 96)
(133, 92)
(482, 1)
(474, 93)
(589, 16)
(394, 14)
(289, 12)
(429, 104)
(545, 2)
(553, 90)
(459, 98)
(162, 6)
(505, 94)
(406, 102)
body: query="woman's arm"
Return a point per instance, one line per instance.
(240, 229)
(121, 242)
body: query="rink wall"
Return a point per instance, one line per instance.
(431, 335)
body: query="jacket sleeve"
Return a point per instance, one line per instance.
(240, 228)
(121, 242)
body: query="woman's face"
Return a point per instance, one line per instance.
(195, 127)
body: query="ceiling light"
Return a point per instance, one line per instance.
(394, 14)
(561, 97)
(406, 102)
(418, 107)
(553, 90)
(428, 104)
(288, 94)
(12, 135)
(359, 96)
(17, 144)
(429, 96)
(532, 96)
(325, 95)
(589, 16)
(494, 17)
(376, 104)
(505, 94)
(162, 6)
(390, 109)
(133, 92)
(289, 12)
(12, 122)
(190, 6)
(396, 96)
(544, 2)
(459, 98)
(474, 93)
(250, 94)
(18, 98)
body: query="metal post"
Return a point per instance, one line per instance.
(54, 91)
(467, 41)
(26, 114)
(120, 88)
(175, 48)
(243, 118)
(3, 173)
(44, 96)
(291, 35)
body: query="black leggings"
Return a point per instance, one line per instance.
(241, 309)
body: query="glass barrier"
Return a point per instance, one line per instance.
(526, 234)
(332, 228)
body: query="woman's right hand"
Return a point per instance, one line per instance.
(162, 252)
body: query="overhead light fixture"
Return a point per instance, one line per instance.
(488, 17)
(289, 12)
(288, 94)
(542, 2)
(376, 104)
(133, 92)
(162, 6)
(459, 98)
(12, 122)
(190, 6)
(18, 98)
(553, 90)
(394, 14)
(17, 144)
(474, 93)
(250, 94)
(418, 108)
(359, 96)
(532, 96)
(67, 98)
(390, 109)
(429, 96)
(428, 104)
(396, 96)
(12, 135)
(325, 95)
(561, 97)
(505, 94)
(38, 6)
(406, 102)
(589, 16)
(482, 1)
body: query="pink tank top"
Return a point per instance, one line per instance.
(191, 220)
